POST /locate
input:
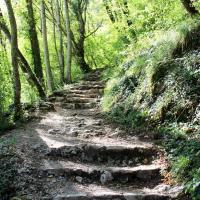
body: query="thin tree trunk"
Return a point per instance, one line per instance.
(109, 11)
(189, 7)
(126, 12)
(61, 50)
(34, 42)
(49, 74)
(69, 43)
(24, 65)
(54, 36)
(14, 55)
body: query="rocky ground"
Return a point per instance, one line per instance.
(73, 153)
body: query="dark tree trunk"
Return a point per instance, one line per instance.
(189, 7)
(127, 12)
(49, 75)
(31, 78)
(80, 56)
(14, 56)
(80, 13)
(109, 11)
(69, 43)
(60, 35)
(34, 42)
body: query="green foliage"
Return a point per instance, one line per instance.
(164, 62)
(183, 152)
(151, 57)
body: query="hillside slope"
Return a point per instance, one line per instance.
(158, 90)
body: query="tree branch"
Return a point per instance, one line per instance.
(94, 31)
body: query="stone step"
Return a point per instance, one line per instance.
(79, 105)
(63, 188)
(83, 91)
(101, 83)
(75, 90)
(86, 87)
(62, 97)
(73, 99)
(80, 100)
(92, 77)
(113, 196)
(109, 155)
(82, 95)
(102, 175)
(91, 91)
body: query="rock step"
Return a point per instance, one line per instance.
(98, 82)
(91, 91)
(113, 196)
(83, 91)
(82, 95)
(79, 105)
(74, 99)
(80, 100)
(92, 77)
(61, 93)
(113, 155)
(146, 174)
(87, 87)
(72, 95)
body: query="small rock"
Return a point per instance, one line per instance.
(124, 163)
(73, 133)
(123, 179)
(115, 134)
(80, 125)
(79, 179)
(99, 159)
(177, 191)
(23, 170)
(56, 131)
(106, 177)
(136, 159)
(36, 146)
(74, 152)
(145, 161)
(162, 188)
(130, 162)
(98, 123)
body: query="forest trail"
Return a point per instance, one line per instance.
(75, 154)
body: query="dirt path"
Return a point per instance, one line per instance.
(74, 154)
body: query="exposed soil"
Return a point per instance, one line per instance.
(73, 153)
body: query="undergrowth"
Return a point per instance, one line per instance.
(158, 86)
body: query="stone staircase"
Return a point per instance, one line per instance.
(86, 158)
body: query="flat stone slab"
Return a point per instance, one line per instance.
(94, 173)
(112, 155)
(113, 197)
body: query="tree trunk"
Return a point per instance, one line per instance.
(109, 11)
(49, 74)
(189, 7)
(69, 43)
(55, 38)
(61, 50)
(14, 56)
(80, 56)
(80, 11)
(24, 65)
(34, 42)
(127, 12)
